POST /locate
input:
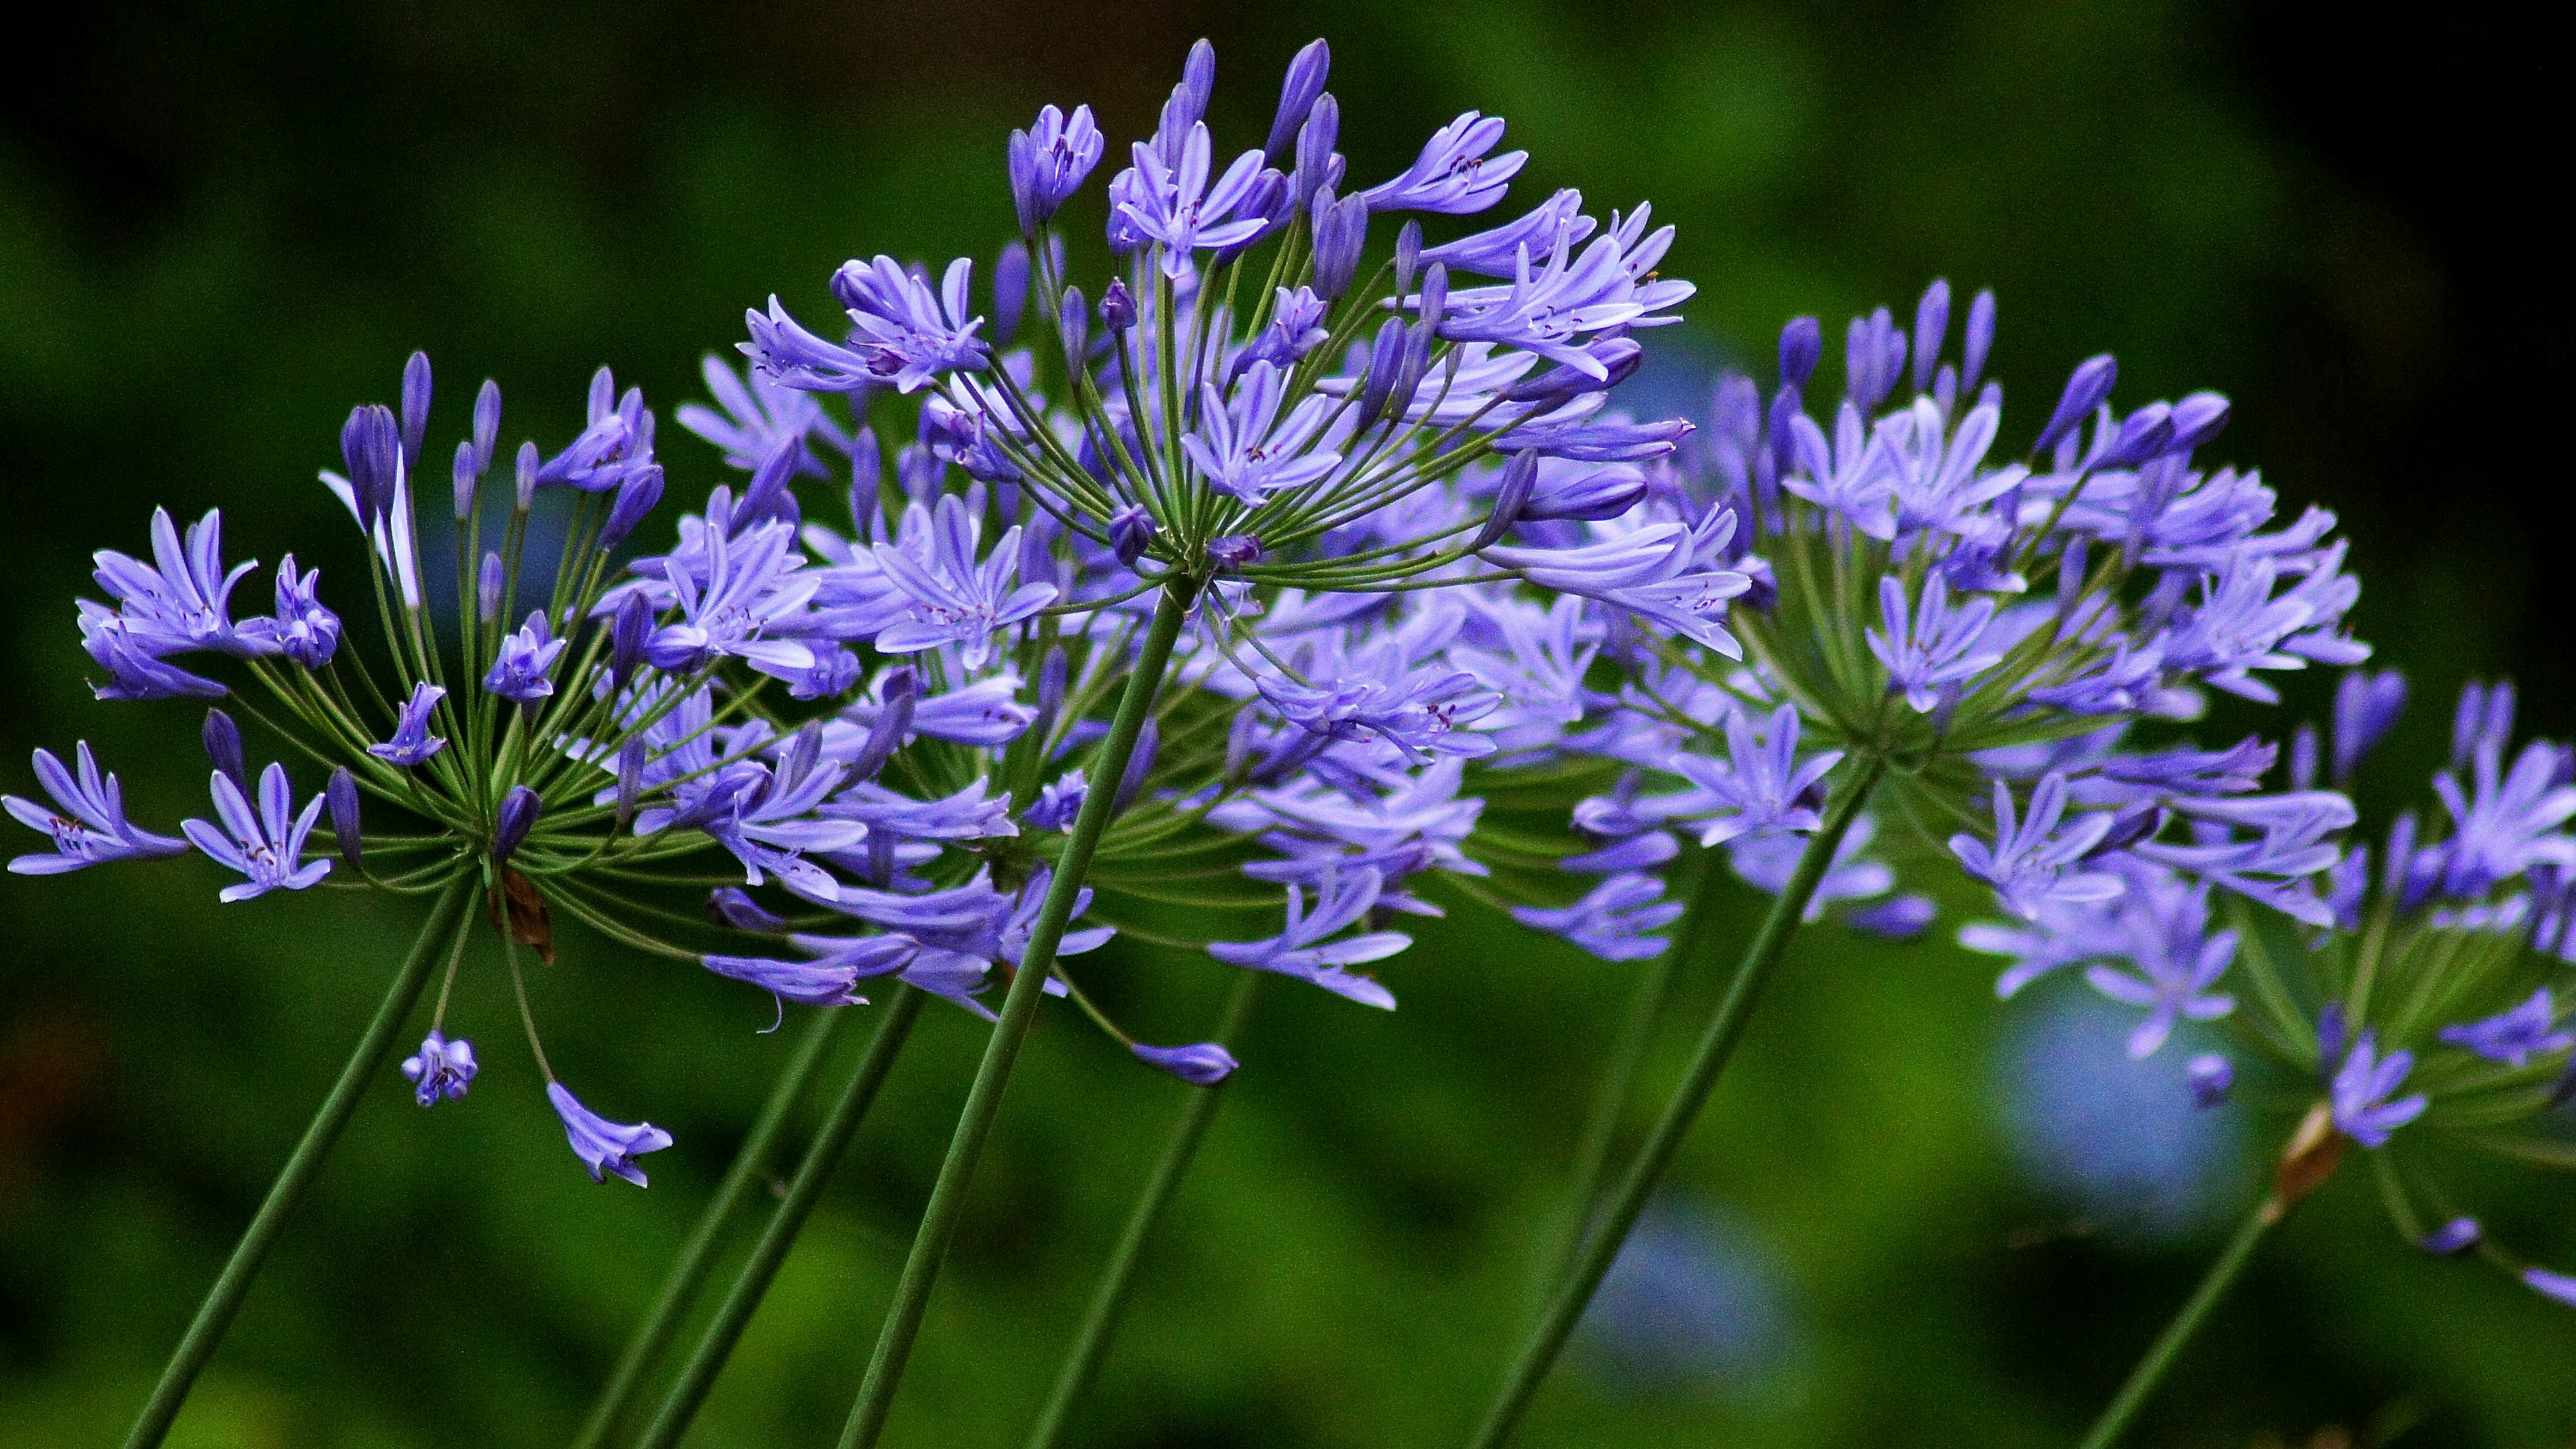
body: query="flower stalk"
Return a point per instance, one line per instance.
(1646, 1171)
(1109, 1300)
(215, 1315)
(947, 1203)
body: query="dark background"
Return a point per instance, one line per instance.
(219, 230)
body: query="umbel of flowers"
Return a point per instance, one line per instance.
(1944, 652)
(2416, 1010)
(1219, 567)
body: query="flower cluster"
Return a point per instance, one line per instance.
(878, 729)
(2425, 992)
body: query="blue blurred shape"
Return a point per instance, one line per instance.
(2119, 1142)
(1693, 1303)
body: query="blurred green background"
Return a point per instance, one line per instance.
(221, 227)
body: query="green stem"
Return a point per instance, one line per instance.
(215, 1315)
(716, 1345)
(2151, 1369)
(1717, 1044)
(966, 1145)
(697, 1258)
(1100, 1323)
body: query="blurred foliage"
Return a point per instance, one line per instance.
(220, 226)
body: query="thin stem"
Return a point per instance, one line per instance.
(215, 1315)
(1717, 1045)
(2151, 1369)
(697, 1259)
(948, 1194)
(822, 1155)
(1100, 1323)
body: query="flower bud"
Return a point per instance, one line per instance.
(1010, 292)
(733, 906)
(465, 475)
(487, 425)
(630, 779)
(224, 747)
(1117, 307)
(1802, 342)
(2210, 1077)
(1341, 233)
(1073, 315)
(1140, 768)
(415, 411)
(1315, 165)
(2085, 389)
(1131, 529)
(512, 822)
(1981, 340)
(340, 800)
(1298, 92)
(636, 496)
(1234, 551)
(1931, 329)
(528, 463)
(1052, 674)
(487, 588)
(371, 449)
(627, 631)
(1201, 1065)
(1519, 476)
(1408, 254)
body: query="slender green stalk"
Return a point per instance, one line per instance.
(697, 1259)
(983, 1100)
(2151, 1369)
(1601, 1132)
(1717, 1044)
(1100, 1323)
(716, 1344)
(215, 1315)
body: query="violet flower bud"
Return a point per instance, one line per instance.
(630, 779)
(1131, 530)
(415, 410)
(487, 588)
(2210, 1077)
(1053, 672)
(1931, 329)
(1140, 768)
(1408, 254)
(1341, 233)
(2197, 419)
(2452, 1238)
(893, 724)
(2303, 758)
(1073, 317)
(1117, 307)
(2085, 389)
(1386, 360)
(733, 906)
(224, 747)
(2144, 435)
(1010, 292)
(1980, 341)
(487, 425)
(1201, 1065)
(1234, 551)
(340, 801)
(1519, 476)
(464, 476)
(512, 822)
(1315, 142)
(371, 450)
(1802, 344)
(1785, 406)
(2331, 1039)
(628, 628)
(1298, 92)
(528, 462)
(636, 496)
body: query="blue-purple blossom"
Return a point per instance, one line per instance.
(1246, 450)
(412, 743)
(2452, 1238)
(1453, 176)
(134, 669)
(2177, 960)
(1616, 920)
(2514, 1037)
(957, 600)
(1763, 787)
(831, 979)
(2559, 1286)
(266, 845)
(604, 1146)
(1049, 161)
(88, 823)
(1651, 572)
(1170, 201)
(2030, 863)
(1304, 947)
(2366, 707)
(303, 629)
(512, 820)
(1935, 648)
(2362, 1090)
(441, 1070)
(183, 603)
(2506, 822)
(521, 666)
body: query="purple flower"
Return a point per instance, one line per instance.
(907, 333)
(442, 1070)
(511, 823)
(2366, 708)
(1234, 552)
(1203, 1064)
(89, 826)
(2362, 1109)
(1763, 788)
(2508, 824)
(134, 668)
(1936, 650)
(519, 670)
(303, 630)
(267, 846)
(340, 799)
(1651, 572)
(829, 980)
(1453, 176)
(1303, 948)
(2178, 960)
(1057, 804)
(1168, 200)
(955, 599)
(604, 1146)
(1552, 309)
(2210, 1076)
(1497, 252)
(2514, 1037)
(2553, 1285)
(751, 583)
(182, 604)
(1246, 450)
(1615, 921)
(1049, 162)
(2456, 1236)
(761, 420)
(2029, 864)
(412, 743)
